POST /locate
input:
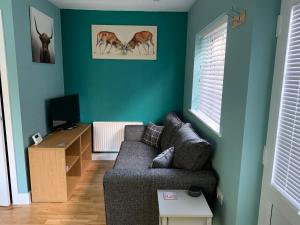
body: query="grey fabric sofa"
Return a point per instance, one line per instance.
(130, 188)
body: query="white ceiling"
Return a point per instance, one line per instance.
(126, 5)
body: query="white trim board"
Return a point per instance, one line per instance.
(17, 198)
(4, 181)
(126, 5)
(104, 156)
(22, 199)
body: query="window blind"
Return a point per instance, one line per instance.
(286, 168)
(209, 66)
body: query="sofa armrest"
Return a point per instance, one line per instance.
(134, 192)
(134, 132)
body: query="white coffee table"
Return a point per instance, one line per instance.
(186, 210)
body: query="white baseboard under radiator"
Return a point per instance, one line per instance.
(108, 136)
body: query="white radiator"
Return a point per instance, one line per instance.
(108, 136)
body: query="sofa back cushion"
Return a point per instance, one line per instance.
(171, 124)
(191, 151)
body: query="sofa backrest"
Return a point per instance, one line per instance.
(172, 124)
(134, 132)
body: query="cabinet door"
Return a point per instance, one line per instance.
(48, 175)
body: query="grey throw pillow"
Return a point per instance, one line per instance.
(164, 159)
(191, 151)
(152, 135)
(184, 133)
(193, 155)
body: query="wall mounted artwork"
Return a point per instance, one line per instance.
(42, 37)
(124, 42)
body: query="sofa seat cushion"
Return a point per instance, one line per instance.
(135, 155)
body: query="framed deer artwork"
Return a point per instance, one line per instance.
(42, 37)
(124, 42)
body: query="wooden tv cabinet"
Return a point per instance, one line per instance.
(57, 163)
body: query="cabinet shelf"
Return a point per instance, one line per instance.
(85, 140)
(70, 162)
(86, 157)
(71, 184)
(85, 148)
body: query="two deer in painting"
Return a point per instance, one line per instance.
(110, 40)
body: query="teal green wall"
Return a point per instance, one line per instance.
(31, 84)
(257, 109)
(37, 82)
(124, 90)
(247, 85)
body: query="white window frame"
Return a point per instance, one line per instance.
(271, 198)
(277, 162)
(216, 128)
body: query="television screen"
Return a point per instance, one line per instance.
(64, 112)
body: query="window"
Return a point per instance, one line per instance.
(286, 168)
(210, 48)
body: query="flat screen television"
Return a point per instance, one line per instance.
(64, 112)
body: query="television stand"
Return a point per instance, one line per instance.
(58, 162)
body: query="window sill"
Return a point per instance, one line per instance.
(211, 127)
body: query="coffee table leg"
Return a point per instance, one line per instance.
(209, 221)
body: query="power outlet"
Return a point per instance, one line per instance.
(220, 197)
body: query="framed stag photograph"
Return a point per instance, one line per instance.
(42, 37)
(124, 42)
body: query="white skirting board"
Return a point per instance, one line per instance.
(104, 156)
(22, 199)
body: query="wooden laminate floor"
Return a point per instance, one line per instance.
(85, 207)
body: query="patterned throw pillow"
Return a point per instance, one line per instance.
(164, 159)
(152, 135)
